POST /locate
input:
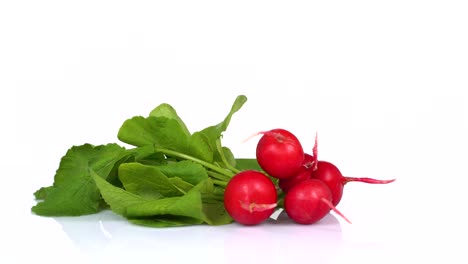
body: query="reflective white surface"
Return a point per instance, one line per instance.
(384, 84)
(389, 226)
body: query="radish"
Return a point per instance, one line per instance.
(309, 201)
(250, 197)
(332, 177)
(279, 153)
(302, 175)
(288, 183)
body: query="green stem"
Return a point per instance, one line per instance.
(218, 176)
(220, 183)
(212, 198)
(223, 158)
(208, 165)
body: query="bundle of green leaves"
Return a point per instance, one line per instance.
(171, 177)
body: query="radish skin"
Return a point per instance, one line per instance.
(250, 197)
(279, 153)
(309, 201)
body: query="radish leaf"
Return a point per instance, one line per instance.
(73, 191)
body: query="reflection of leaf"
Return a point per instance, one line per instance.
(166, 221)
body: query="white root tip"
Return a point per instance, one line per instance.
(251, 136)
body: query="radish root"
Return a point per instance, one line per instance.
(335, 210)
(367, 180)
(254, 207)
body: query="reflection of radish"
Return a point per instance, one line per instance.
(309, 201)
(279, 153)
(250, 197)
(332, 177)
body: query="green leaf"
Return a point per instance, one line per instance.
(215, 213)
(187, 170)
(229, 156)
(105, 157)
(214, 133)
(252, 164)
(248, 164)
(195, 207)
(181, 184)
(140, 153)
(205, 187)
(166, 110)
(117, 198)
(154, 159)
(41, 194)
(199, 147)
(147, 181)
(146, 155)
(74, 192)
(213, 204)
(158, 131)
(189, 206)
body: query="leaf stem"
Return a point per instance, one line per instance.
(223, 158)
(220, 183)
(218, 176)
(208, 165)
(212, 198)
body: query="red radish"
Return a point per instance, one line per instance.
(279, 153)
(250, 197)
(302, 175)
(308, 161)
(309, 201)
(288, 183)
(332, 177)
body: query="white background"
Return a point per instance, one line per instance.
(382, 82)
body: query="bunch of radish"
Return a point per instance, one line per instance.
(311, 187)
